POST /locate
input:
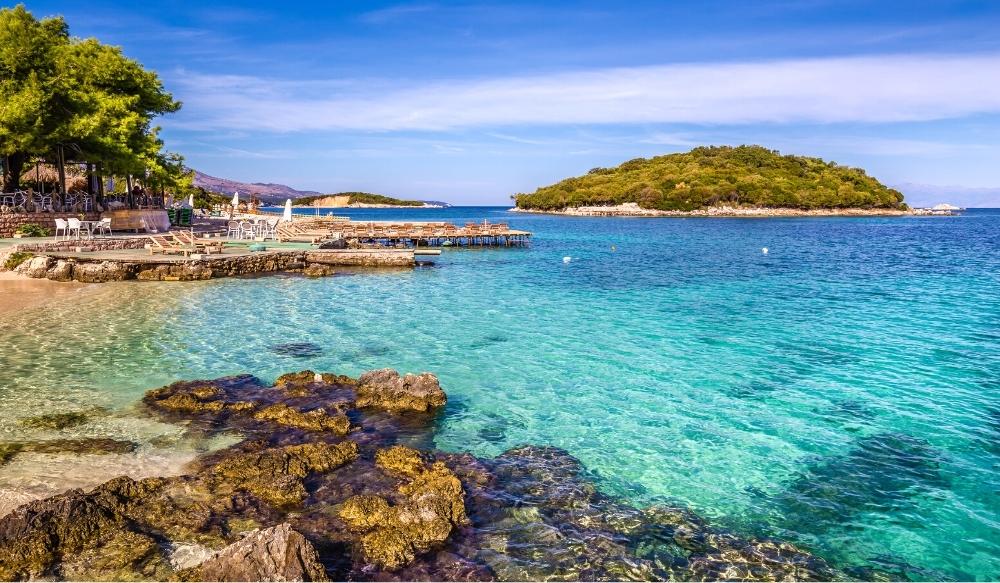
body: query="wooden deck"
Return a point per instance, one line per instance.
(408, 234)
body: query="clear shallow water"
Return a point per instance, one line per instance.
(841, 391)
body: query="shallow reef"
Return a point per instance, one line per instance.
(333, 480)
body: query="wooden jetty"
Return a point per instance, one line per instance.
(393, 234)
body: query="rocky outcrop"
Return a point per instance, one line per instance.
(320, 487)
(278, 553)
(386, 389)
(312, 263)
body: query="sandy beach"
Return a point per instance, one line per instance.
(18, 292)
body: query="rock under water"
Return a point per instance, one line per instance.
(322, 486)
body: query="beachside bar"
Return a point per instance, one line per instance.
(73, 195)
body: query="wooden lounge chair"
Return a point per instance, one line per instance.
(163, 244)
(187, 239)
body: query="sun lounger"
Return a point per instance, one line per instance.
(166, 245)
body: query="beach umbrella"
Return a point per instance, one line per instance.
(287, 216)
(236, 198)
(191, 200)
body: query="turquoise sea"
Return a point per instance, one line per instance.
(841, 391)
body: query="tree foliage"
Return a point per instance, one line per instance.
(719, 175)
(79, 95)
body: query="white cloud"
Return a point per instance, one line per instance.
(872, 89)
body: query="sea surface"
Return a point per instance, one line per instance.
(841, 391)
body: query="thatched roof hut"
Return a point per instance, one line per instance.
(48, 174)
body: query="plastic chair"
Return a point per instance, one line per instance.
(74, 226)
(104, 226)
(61, 226)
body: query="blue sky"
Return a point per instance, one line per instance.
(472, 102)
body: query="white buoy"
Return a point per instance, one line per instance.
(764, 250)
(567, 259)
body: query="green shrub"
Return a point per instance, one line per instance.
(33, 230)
(16, 258)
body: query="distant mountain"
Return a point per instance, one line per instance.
(925, 195)
(268, 192)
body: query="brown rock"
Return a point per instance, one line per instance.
(273, 554)
(386, 389)
(315, 420)
(275, 475)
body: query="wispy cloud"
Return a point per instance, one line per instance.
(856, 89)
(392, 13)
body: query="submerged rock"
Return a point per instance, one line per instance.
(273, 554)
(386, 389)
(83, 445)
(297, 349)
(55, 420)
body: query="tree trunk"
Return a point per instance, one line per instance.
(61, 166)
(12, 171)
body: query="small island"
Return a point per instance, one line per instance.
(359, 200)
(718, 181)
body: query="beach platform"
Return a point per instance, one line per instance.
(129, 258)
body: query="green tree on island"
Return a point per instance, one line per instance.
(77, 98)
(719, 175)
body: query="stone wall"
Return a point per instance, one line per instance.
(97, 270)
(9, 222)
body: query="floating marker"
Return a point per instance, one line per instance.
(567, 259)
(764, 250)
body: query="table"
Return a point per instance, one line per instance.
(89, 226)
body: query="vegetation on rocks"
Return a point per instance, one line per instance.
(719, 175)
(15, 259)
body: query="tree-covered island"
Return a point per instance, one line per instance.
(719, 176)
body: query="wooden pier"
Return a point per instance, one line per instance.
(406, 234)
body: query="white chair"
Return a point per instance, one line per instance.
(74, 226)
(270, 229)
(61, 226)
(104, 227)
(233, 230)
(247, 230)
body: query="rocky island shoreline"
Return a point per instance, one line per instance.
(335, 478)
(631, 209)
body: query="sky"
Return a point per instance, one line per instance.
(473, 102)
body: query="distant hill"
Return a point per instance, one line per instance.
(719, 175)
(269, 193)
(356, 199)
